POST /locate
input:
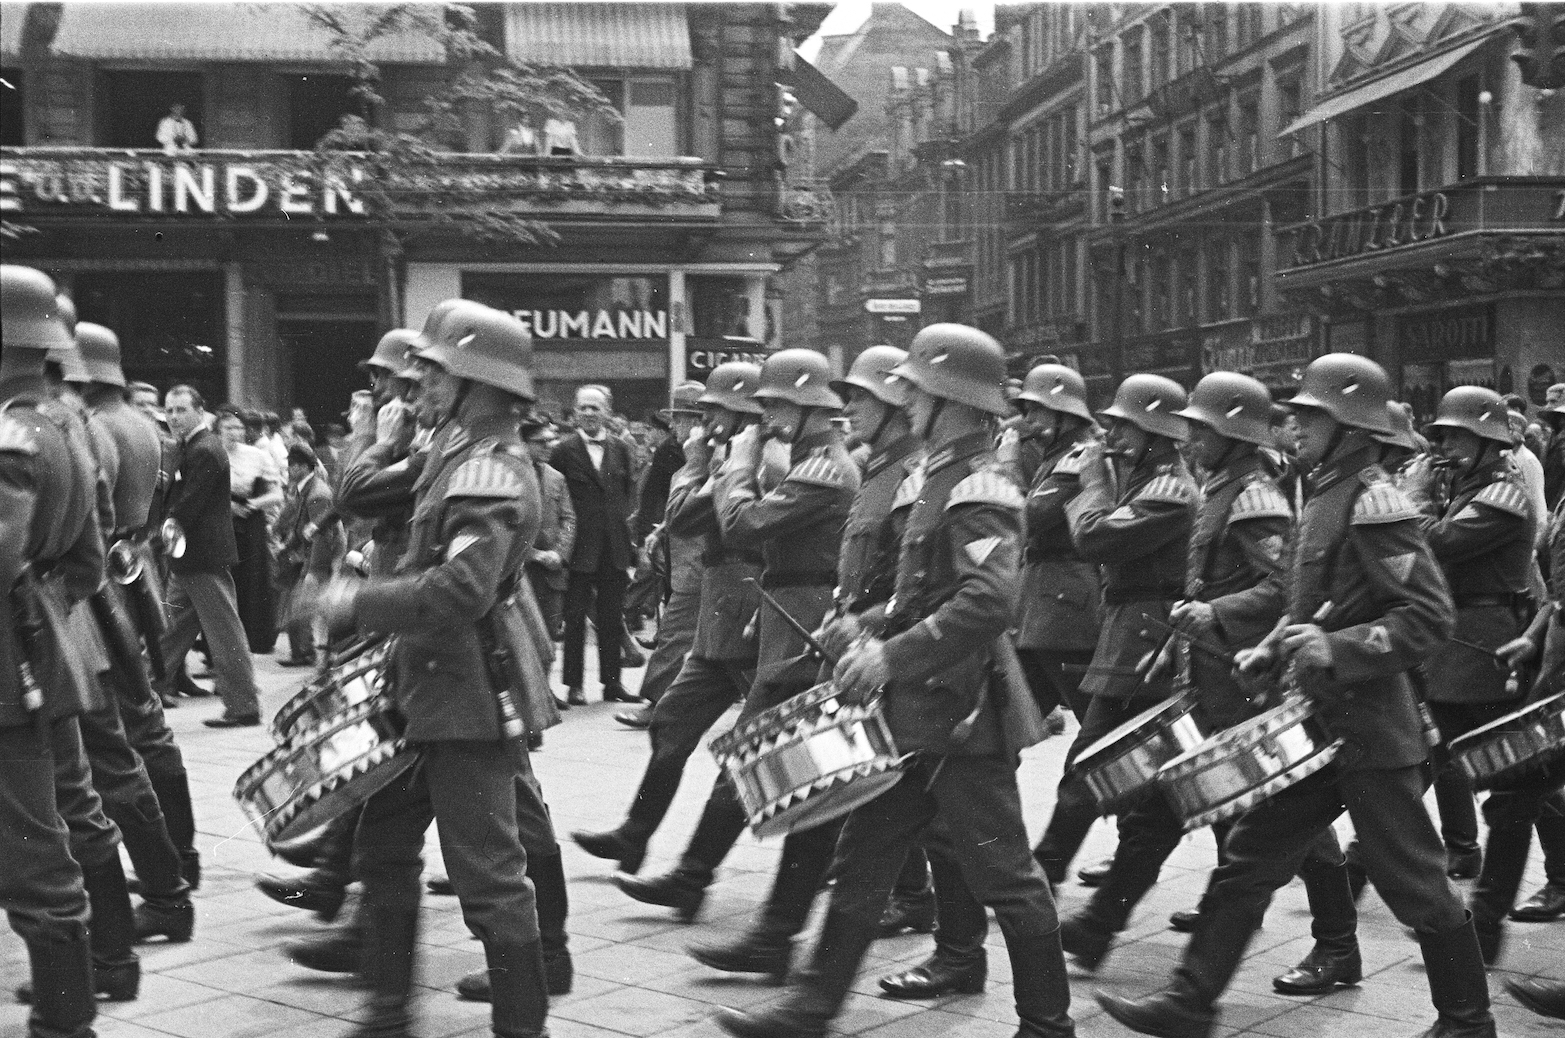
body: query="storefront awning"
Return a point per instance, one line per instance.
(610, 35)
(222, 32)
(12, 18)
(1380, 89)
(830, 103)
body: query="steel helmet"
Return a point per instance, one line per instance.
(1234, 405)
(67, 307)
(1478, 410)
(799, 376)
(1058, 388)
(1402, 434)
(1352, 389)
(958, 363)
(433, 321)
(391, 353)
(871, 372)
(482, 344)
(99, 349)
(1151, 403)
(730, 385)
(30, 315)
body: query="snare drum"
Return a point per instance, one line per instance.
(1126, 760)
(1514, 744)
(359, 676)
(1238, 768)
(322, 772)
(809, 760)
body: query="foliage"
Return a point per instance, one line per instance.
(480, 82)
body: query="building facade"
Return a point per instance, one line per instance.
(260, 273)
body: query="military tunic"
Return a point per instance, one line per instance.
(867, 563)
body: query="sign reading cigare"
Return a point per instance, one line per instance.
(159, 186)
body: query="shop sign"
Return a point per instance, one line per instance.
(594, 324)
(1171, 353)
(702, 355)
(157, 186)
(892, 306)
(1453, 334)
(1262, 344)
(946, 286)
(1483, 205)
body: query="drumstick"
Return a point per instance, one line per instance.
(1192, 641)
(798, 628)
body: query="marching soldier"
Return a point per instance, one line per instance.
(476, 514)
(1367, 602)
(716, 673)
(1482, 536)
(59, 848)
(1133, 520)
(938, 662)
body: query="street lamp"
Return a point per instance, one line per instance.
(1116, 209)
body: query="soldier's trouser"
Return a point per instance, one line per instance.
(205, 603)
(1074, 808)
(702, 693)
(1511, 813)
(1398, 845)
(131, 802)
(609, 583)
(974, 809)
(41, 883)
(1055, 679)
(94, 838)
(1453, 789)
(676, 634)
(913, 880)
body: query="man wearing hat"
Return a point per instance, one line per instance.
(478, 506)
(680, 556)
(47, 522)
(311, 536)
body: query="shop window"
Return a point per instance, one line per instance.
(316, 105)
(13, 131)
(1468, 113)
(171, 326)
(131, 104)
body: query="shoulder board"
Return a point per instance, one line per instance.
(1167, 489)
(1071, 464)
(1260, 500)
(986, 487)
(1505, 496)
(485, 476)
(908, 490)
(1382, 502)
(16, 438)
(817, 470)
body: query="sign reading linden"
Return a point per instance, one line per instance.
(156, 185)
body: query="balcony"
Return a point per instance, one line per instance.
(279, 187)
(808, 204)
(1030, 210)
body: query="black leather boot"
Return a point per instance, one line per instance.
(936, 977)
(179, 818)
(340, 952)
(1043, 994)
(116, 969)
(1458, 986)
(759, 951)
(520, 992)
(1085, 941)
(683, 890)
(388, 965)
(554, 907)
(614, 845)
(1173, 1013)
(908, 914)
(63, 1002)
(1334, 922)
(317, 891)
(817, 993)
(1544, 997)
(175, 920)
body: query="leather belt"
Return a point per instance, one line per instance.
(803, 578)
(1517, 600)
(719, 557)
(1126, 595)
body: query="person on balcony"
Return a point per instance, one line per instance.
(175, 132)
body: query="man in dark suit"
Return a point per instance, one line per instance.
(312, 543)
(201, 594)
(598, 473)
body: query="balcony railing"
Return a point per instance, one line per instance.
(267, 186)
(1028, 209)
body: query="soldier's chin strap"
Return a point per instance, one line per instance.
(927, 432)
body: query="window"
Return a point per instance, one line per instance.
(1187, 161)
(1162, 301)
(1161, 191)
(888, 245)
(1249, 135)
(651, 130)
(1162, 48)
(1216, 33)
(1468, 113)
(1133, 67)
(1219, 301)
(316, 105)
(12, 109)
(1105, 94)
(1217, 149)
(131, 104)
(1105, 181)
(1188, 306)
(1249, 15)
(1410, 124)
(1067, 270)
(1188, 30)
(1136, 165)
(1290, 105)
(1068, 146)
(1249, 276)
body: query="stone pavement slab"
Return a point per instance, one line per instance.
(633, 977)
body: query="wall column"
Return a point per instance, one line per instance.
(234, 329)
(679, 311)
(755, 291)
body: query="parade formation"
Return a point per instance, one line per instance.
(1264, 614)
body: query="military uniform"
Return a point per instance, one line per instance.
(52, 826)
(1140, 538)
(475, 516)
(1364, 573)
(956, 588)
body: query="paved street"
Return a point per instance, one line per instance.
(632, 977)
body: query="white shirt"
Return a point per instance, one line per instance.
(176, 134)
(595, 448)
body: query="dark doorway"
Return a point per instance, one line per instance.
(130, 105)
(13, 110)
(316, 103)
(170, 326)
(323, 355)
